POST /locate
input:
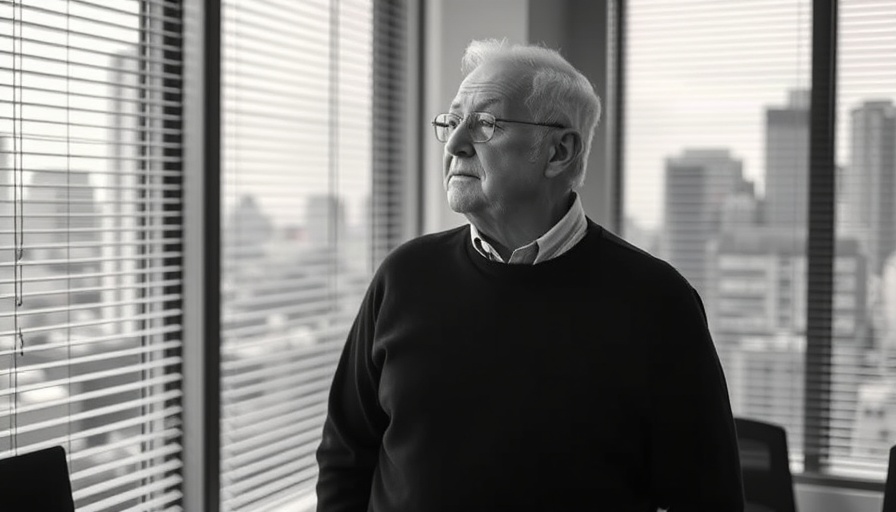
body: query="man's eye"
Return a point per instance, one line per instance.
(452, 123)
(486, 123)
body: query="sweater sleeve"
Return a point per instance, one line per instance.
(353, 430)
(695, 465)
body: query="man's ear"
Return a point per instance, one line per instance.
(566, 148)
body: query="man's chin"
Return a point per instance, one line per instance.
(460, 202)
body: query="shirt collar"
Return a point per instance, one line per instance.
(563, 236)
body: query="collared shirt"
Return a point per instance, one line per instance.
(565, 234)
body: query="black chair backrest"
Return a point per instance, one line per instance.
(765, 464)
(890, 489)
(36, 481)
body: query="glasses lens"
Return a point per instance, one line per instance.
(445, 124)
(482, 126)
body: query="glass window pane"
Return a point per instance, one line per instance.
(89, 244)
(716, 173)
(863, 416)
(301, 230)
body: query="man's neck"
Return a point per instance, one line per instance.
(514, 230)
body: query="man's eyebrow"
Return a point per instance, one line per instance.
(486, 103)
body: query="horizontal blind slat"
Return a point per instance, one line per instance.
(155, 364)
(168, 413)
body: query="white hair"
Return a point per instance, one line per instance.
(559, 93)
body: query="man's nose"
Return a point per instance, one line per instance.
(459, 143)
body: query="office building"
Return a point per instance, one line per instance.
(867, 196)
(875, 419)
(757, 314)
(787, 162)
(765, 381)
(698, 183)
(759, 285)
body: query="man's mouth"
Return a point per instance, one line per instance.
(462, 175)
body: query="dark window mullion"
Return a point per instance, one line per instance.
(820, 247)
(618, 113)
(211, 422)
(388, 172)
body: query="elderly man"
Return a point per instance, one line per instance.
(531, 360)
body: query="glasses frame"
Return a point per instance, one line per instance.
(463, 120)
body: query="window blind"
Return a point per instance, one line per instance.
(715, 152)
(863, 417)
(90, 244)
(718, 131)
(312, 120)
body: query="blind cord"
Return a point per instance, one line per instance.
(18, 217)
(68, 223)
(334, 204)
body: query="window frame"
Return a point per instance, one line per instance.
(156, 57)
(821, 247)
(202, 181)
(201, 193)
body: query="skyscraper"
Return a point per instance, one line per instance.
(760, 285)
(867, 196)
(787, 162)
(875, 418)
(757, 315)
(698, 184)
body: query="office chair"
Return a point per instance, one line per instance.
(765, 464)
(890, 488)
(36, 482)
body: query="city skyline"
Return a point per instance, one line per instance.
(746, 255)
(701, 75)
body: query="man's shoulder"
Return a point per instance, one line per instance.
(422, 249)
(633, 263)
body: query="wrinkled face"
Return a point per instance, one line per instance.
(497, 177)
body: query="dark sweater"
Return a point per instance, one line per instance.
(587, 382)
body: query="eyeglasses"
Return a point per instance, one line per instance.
(481, 125)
